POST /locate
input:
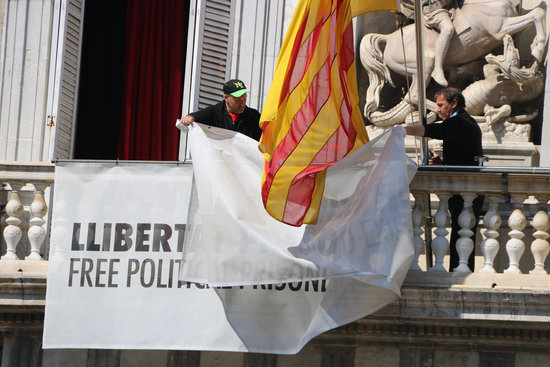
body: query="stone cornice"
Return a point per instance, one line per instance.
(448, 334)
(22, 297)
(27, 171)
(490, 312)
(22, 292)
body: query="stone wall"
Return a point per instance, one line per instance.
(313, 355)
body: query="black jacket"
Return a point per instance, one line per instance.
(461, 137)
(248, 122)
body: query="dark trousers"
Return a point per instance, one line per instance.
(456, 204)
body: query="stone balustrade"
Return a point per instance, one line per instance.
(23, 200)
(513, 225)
(514, 218)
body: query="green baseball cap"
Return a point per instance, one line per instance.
(234, 87)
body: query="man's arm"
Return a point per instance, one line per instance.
(417, 130)
(206, 115)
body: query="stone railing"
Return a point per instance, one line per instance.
(23, 193)
(514, 217)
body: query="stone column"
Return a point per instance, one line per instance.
(545, 139)
(22, 351)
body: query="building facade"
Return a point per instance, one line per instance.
(495, 317)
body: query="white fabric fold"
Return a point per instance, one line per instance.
(364, 228)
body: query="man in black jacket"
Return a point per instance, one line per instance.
(232, 113)
(460, 133)
(461, 137)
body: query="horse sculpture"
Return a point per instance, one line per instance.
(480, 27)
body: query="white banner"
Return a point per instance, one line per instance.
(118, 234)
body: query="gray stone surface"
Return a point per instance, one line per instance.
(416, 358)
(143, 358)
(338, 356)
(373, 356)
(184, 358)
(444, 358)
(260, 360)
(64, 357)
(491, 359)
(221, 359)
(309, 356)
(103, 358)
(532, 360)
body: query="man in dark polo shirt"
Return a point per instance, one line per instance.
(461, 137)
(232, 113)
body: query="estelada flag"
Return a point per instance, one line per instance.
(311, 117)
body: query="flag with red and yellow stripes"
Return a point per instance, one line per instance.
(311, 117)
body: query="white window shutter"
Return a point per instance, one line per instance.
(208, 60)
(215, 58)
(208, 53)
(63, 92)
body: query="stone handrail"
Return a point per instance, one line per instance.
(17, 180)
(511, 194)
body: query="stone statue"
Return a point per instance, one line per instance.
(480, 28)
(505, 82)
(439, 15)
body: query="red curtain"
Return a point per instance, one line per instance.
(154, 61)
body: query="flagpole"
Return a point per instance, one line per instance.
(419, 26)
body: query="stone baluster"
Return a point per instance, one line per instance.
(465, 245)
(540, 246)
(418, 218)
(12, 232)
(37, 233)
(440, 244)
(515, 246)
(490, 245)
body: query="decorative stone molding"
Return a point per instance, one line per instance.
(453, 311)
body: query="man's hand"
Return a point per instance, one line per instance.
(187, 120)
(435, 159)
